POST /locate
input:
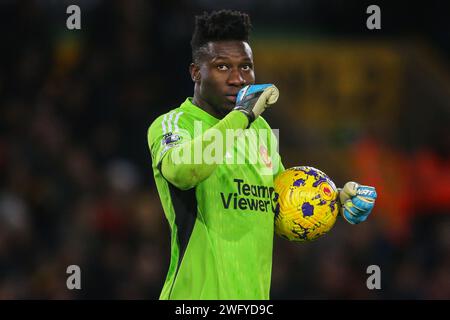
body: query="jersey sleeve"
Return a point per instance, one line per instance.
(166, 132)
(182, 168)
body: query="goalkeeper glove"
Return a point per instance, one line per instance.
(253, 99)
(357, 202)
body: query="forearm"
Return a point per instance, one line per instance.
(186, 175)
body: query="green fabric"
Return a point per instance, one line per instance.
(229, 249)
(186, 176)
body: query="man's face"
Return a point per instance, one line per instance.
(222, 72)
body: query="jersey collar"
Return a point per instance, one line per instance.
(188, 106)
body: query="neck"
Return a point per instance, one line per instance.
(205, 106)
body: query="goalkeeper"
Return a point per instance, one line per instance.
(221, 213)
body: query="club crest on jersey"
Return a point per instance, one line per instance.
(265, 156)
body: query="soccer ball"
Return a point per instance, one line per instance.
(307, 204)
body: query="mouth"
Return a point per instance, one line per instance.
(231, 98)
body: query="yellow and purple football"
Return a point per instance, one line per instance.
(308, 204)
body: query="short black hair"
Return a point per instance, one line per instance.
(217, 26)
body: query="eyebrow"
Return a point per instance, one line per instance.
(246, 59)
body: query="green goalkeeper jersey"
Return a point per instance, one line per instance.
(221, 229)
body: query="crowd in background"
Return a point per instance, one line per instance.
(77, 187)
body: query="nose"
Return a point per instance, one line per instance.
(235, 78)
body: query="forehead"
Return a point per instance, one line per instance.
(229, 50)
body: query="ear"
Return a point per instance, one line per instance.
(194, 70)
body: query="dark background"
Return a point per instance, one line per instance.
(76, 185)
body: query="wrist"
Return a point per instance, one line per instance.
(249, 114)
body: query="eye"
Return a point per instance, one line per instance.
(247, 67)
(222, 67)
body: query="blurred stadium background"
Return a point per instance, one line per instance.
(76, 183)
